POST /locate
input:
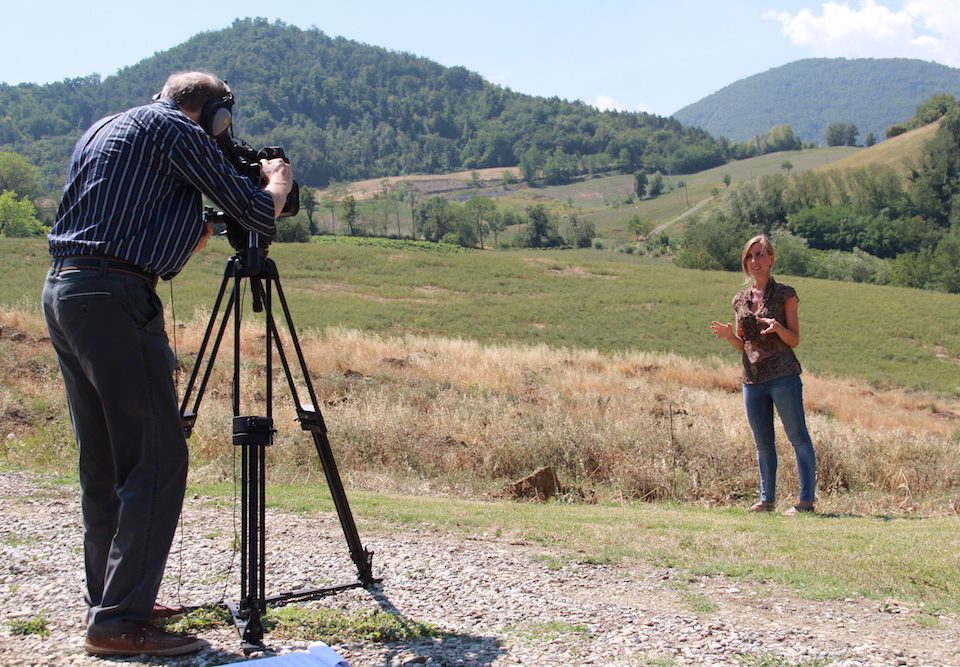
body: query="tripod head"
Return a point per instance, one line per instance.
(252, 248)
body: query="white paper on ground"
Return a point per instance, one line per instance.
(317, 654)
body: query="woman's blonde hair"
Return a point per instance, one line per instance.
(764, 241)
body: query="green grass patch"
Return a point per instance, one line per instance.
(541, 631)
(14, 541)
(551, 562)
(201, 619)
(37, 625)
(335, 627)
(698, 603)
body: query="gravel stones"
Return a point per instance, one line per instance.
(503, 603)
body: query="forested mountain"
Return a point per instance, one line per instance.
(345, 110)
(810, 95)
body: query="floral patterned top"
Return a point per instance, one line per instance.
(766, 357)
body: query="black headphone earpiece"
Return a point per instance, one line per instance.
(217, 114)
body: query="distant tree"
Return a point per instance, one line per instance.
(787, 166)
(18, 217)
(935, 190)
(497, 225)
(726, 180)
(945, 264)
(541, 232)
(655, 188)
(793, 253)
(580, 233)
(308, 202)
(436, 218)
(350, 213)
(330, 199)
(781, 138)
(475, 181)
(639, 184)
(638, 226)
(481, 211)
(841, 134)
(397, 198)
(713, 243)
(507, 178)
(894, 131)
(18, 174)
(529, 165)
(384, 199)
(559, 167)
(870, 140)
(292, 230)
(934, 108)
(406, 193)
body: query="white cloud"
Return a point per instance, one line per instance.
(607, 103)
(925, 29)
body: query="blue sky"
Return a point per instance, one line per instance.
(633, 55)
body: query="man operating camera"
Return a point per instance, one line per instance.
(132, 213)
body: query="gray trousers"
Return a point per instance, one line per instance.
(108, 333)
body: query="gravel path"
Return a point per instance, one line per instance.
(503, 603)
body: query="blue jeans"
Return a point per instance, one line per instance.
(786, 394)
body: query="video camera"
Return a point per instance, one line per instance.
(246, 160)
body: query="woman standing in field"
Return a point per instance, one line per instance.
(766, 331)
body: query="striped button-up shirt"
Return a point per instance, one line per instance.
(133, 191)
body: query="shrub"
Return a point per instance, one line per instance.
(292, 230)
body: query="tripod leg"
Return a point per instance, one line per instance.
(312, 420)
(189, 417)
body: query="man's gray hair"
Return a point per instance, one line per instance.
(191, 90)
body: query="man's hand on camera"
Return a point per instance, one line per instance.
(279, 180)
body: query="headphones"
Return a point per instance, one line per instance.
(216, 115)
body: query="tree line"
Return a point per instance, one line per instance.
(398, 211)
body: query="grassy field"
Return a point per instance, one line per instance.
(569, 299)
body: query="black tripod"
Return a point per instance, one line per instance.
(253, 434)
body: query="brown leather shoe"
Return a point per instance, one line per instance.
(143, 639)
(162, 612)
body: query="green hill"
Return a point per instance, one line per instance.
(811, 94)
(346, 111)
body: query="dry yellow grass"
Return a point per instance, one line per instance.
(899, 153)
(427, 415)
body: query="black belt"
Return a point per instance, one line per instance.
(103, 264)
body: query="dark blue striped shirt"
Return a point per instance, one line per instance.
(133, 190)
